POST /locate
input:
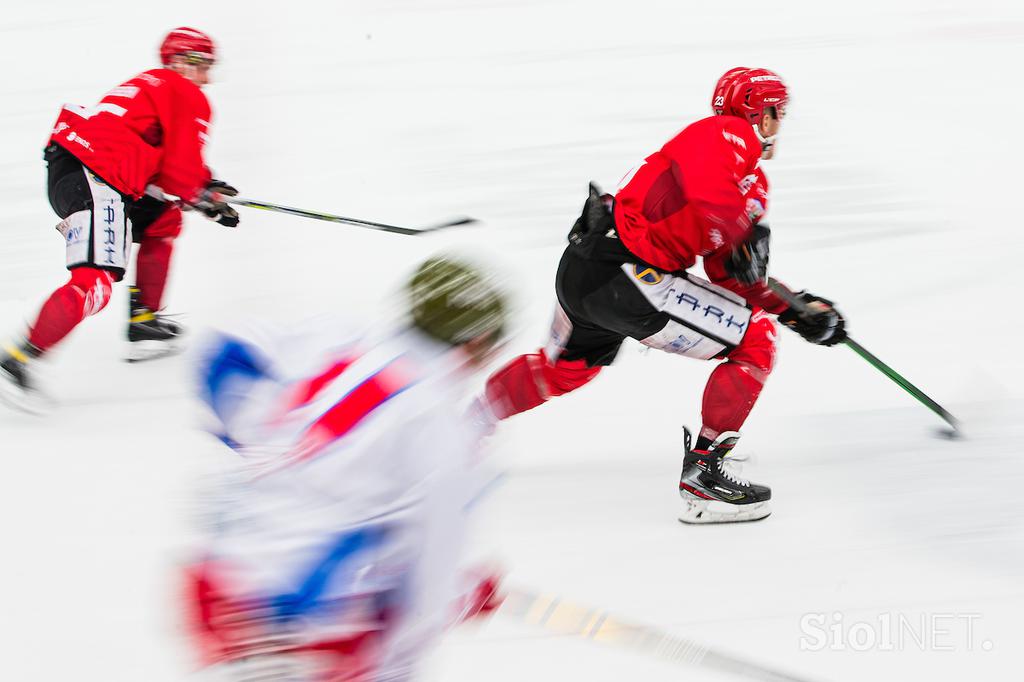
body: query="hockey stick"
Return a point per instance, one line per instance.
(797, 304)
(551, 613)
(316, 215)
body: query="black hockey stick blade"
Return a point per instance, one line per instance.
(454, 222)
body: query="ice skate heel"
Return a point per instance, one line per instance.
(150, 336)
(712, 492)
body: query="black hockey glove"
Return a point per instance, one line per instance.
(818, 323)
(748, 262)
(211, 203)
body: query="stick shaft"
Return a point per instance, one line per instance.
(794, 301)
(331, 218)
(902, 382)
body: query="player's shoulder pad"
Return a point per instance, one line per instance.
(154, 78)
(185, 92)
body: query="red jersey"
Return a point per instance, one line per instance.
(149, 130)
(697, 196)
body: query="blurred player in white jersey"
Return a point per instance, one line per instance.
(336, 554)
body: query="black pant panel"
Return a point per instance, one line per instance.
(66, 186)
(144, 213)
(69, 193)
(603, 306)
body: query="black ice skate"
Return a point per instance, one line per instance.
(17, 384)
(712, 493)
(150, 335)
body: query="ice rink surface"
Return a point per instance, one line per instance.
(895, 193)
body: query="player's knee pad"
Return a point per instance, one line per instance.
(94, 285)
(566, 375)
(529, 380)
(757, 350)
(515, 387)
(166, 226)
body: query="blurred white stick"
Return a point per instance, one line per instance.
(565, 618)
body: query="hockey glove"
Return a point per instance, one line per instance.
(819, 322)
(748, 262)
(210, 203)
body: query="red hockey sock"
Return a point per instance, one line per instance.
(86, 293)
(734, 386)
(152, 265)
(729, 396)
(529, 380)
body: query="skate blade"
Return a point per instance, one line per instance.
(698, 511)
(14, 397)
(143, 351)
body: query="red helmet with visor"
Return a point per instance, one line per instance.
(189, 42)
(747, 93)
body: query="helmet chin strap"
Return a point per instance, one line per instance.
(767, 143)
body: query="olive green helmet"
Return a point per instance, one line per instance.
(455, 302)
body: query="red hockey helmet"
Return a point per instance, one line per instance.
(187, 41)
(746, 93)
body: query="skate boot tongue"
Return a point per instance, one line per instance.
(723, 444)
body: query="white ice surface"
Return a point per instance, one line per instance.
(895, 192)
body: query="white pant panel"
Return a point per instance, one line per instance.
(706, 319)
(99, 237)
(77, 232)
(681, 340)
(558, 337)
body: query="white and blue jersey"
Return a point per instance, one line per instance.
(359, 473)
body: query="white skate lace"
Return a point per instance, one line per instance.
(173, 318)
(731, 471)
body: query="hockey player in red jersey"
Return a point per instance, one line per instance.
(110, 171)
(625, 273)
